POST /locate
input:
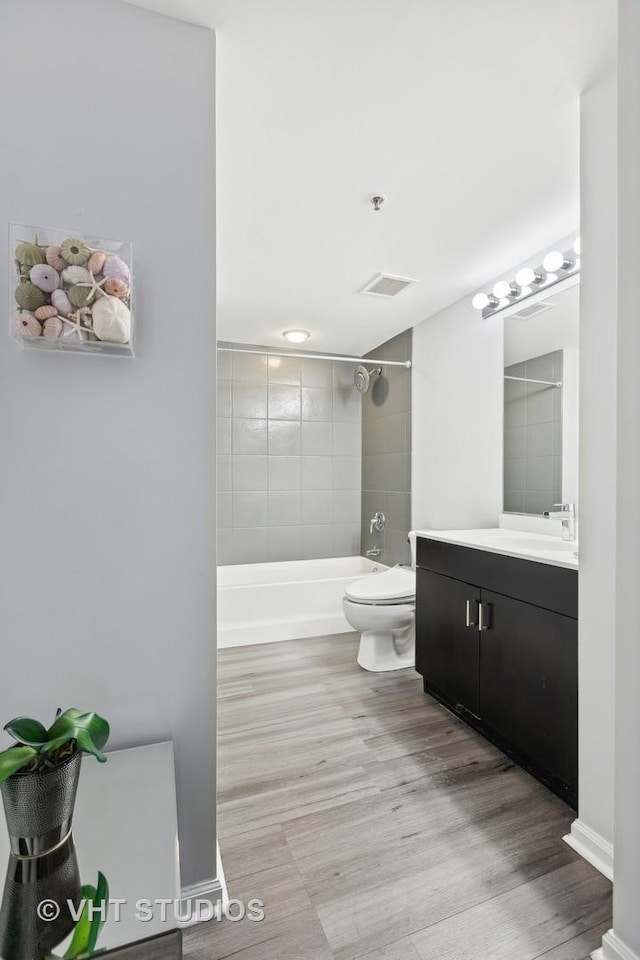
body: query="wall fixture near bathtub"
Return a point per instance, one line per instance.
(70, 292)
(556, 267)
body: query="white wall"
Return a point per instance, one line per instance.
(457, 401)
(593, 833)
(625, 942)
(107, 595)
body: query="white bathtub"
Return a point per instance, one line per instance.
(265, 602)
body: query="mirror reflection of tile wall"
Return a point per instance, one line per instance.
(533, 435)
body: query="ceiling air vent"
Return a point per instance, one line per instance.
(536, 308)
(386, 285)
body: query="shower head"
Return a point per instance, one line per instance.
(362, 377)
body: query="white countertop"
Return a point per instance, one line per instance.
(512, 543)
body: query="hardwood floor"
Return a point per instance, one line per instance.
(374, 824)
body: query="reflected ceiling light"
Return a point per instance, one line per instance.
(296, 336)
(556, 267)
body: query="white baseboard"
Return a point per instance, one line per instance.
(614, 949)
(214, 889)
(592, 846)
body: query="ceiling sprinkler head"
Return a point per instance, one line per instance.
(376, 202)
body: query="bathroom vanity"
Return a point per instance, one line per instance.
(497, 642)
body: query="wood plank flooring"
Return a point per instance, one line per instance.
(375, 825)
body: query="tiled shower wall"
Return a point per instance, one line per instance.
(533, 435)
(289, 459)
(386, 453)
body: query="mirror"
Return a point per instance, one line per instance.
(541, 403)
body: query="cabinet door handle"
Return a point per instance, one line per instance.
(468, 621)
(484, 617)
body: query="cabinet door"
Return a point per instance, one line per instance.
(447, 649)
(529, 683)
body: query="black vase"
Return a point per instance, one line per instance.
(39, 806)
(24, 934)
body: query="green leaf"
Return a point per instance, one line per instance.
(28, 731)
(89, 730)
(14, 759)
(82, 929)
(99, 917)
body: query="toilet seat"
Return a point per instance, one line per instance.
(394, 586)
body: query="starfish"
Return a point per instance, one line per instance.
(95, 287)
(77, 322)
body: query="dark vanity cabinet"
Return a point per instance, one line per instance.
(497, 642)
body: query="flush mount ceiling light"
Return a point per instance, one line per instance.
(296, 336)
(556, 266)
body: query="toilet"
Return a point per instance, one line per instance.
(381, 607)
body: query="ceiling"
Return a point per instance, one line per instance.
(463, 114)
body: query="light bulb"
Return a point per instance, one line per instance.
(527, 276)
(576, 246)
(296, 336)
(555, 261)
(480, 301)
(503, 289)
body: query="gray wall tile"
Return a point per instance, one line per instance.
(250, 546)
(249, 473)
(249, 400)
(317, 473)
(286, 543)
(346, 473)
(223, 365)
(225, 546)
(289, 459)
(284, 508)
(317, 439)
(533, 436)
(347, 439)
(223, 434)
(224, 478)
(317, 373)
(249, 509)
(284, 473)
(386, 453)
(223, 405)
(249, 436)
(318, 506)
(284, 402)
(224, 510)
(250, 367)
(284, 370)
(317, 404)
(284, 438)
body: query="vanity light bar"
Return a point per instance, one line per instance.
(556, 266)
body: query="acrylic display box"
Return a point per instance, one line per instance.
(70, 292)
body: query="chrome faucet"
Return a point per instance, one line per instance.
(566, 513)
(378, 521)
(374, 552)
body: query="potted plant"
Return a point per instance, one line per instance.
(39, 776)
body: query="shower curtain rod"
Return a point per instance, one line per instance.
(317, 356)
(548, 383)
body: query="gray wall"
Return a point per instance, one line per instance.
(386, 453)
(107, 595)
(533, 435)
(289, 449)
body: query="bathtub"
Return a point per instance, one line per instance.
(265, 602)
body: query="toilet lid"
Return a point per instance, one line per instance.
(399, 583)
